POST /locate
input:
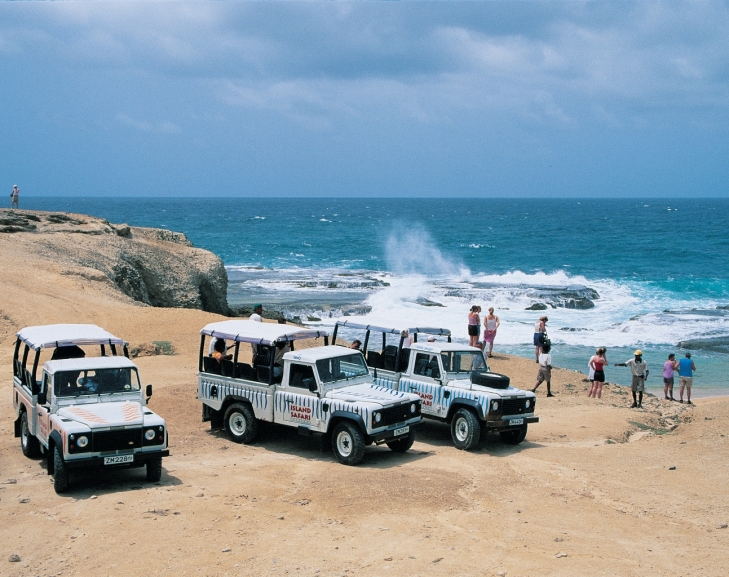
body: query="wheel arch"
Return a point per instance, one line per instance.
(339, 416)
(53, 440)
(461, 403)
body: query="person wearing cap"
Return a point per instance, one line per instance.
(639, 370)
(257, 312)
(14, 197)
(686, 368)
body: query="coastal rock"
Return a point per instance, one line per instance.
(716, 344)
(157, 267)
(536, 307)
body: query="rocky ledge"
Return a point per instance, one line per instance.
(154, 266)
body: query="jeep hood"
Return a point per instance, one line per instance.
(100, 415)
(467, 385)
(370, 393)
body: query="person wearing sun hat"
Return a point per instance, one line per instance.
(639, 370)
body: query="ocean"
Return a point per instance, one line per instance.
(619, 273)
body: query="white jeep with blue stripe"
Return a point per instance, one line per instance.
(452, 381)
(325, 390)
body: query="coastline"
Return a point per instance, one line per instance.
(634, 490)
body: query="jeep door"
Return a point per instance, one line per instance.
(425, 381)
(297, 404)
(43, 409)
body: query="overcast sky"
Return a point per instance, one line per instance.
(485, 99)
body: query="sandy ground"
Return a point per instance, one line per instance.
(596, 489)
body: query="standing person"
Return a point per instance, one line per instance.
(545, 370)
(597, 362)
(540, 332)
(639, 370)
(474, 322)
(257, 312)
(686, 368)
(490, 323)
(668, 368)
(14, 197)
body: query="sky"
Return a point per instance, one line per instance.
(339, 99)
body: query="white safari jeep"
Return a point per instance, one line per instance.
(453, 382)
(322, 390)
(83, 412)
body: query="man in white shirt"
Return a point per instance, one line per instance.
(545, 369)
(639, 370)
(257, 312)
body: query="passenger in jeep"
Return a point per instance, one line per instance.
(219, 352)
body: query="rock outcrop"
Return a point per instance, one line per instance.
(157, 267)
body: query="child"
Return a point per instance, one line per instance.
(545, 370)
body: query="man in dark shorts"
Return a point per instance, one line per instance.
(639, 370)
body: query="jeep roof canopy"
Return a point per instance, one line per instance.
(51, 336)
(259, 333)
(389, 331)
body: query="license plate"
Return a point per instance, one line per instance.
(401, 431)
(513, 422)
(118, 459)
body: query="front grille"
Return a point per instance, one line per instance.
(116, 440)
(514, 407)
(396, 414)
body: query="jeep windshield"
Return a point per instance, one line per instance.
(95, 382)
(459, 363)
(341, 368)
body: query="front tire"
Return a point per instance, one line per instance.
(240, 423)
(348, 443)
(154, 470)
(60, 472)
(29, 444)
(402, 445)
(515, 436)
(465, 430)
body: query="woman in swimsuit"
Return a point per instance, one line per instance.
(540, 329)
(490, 323)
(474, 321)
(597, 362)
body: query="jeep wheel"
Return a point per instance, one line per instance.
(404, 444)
(348, 443)
(241, 423)
(154, 470)
(465, 430)
(515, 436)
(29, 444)
(60, 472)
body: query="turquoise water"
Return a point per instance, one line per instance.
(611, 272)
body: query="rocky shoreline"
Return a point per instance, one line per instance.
(157, 267)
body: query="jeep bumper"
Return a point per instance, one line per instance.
(140, 459)
(390, 435)
(510, 422)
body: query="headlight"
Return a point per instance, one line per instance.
(528, 403)
(494, 406)
(82, 441)
(149, 434)
(378, 417)
(413, 408)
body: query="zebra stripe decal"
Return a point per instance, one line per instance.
(257, 397)
(433, 400)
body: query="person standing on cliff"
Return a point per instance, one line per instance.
(14, 197)
(686, 368)
(639, 370)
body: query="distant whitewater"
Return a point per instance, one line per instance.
(615, 273)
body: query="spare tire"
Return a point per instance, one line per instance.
(492, 380)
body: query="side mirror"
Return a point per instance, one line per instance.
(313, 388)
(148, 391)
(42, 398)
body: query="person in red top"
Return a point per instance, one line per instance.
(597, 362)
